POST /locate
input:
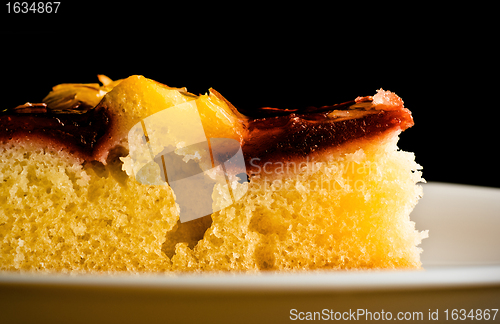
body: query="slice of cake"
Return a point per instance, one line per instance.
(322, 188)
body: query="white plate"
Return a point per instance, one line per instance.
(461, 258)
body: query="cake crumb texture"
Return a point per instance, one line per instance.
(348, 213)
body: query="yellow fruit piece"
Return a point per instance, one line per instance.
(137, 97)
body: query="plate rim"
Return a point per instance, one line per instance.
(338, 281)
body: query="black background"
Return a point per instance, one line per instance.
(441, 61)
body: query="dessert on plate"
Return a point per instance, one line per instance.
(84, 185)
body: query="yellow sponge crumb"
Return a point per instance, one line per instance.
(348, 213)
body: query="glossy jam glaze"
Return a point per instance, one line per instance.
(77, 132)
(305, 135)
(271, 134)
